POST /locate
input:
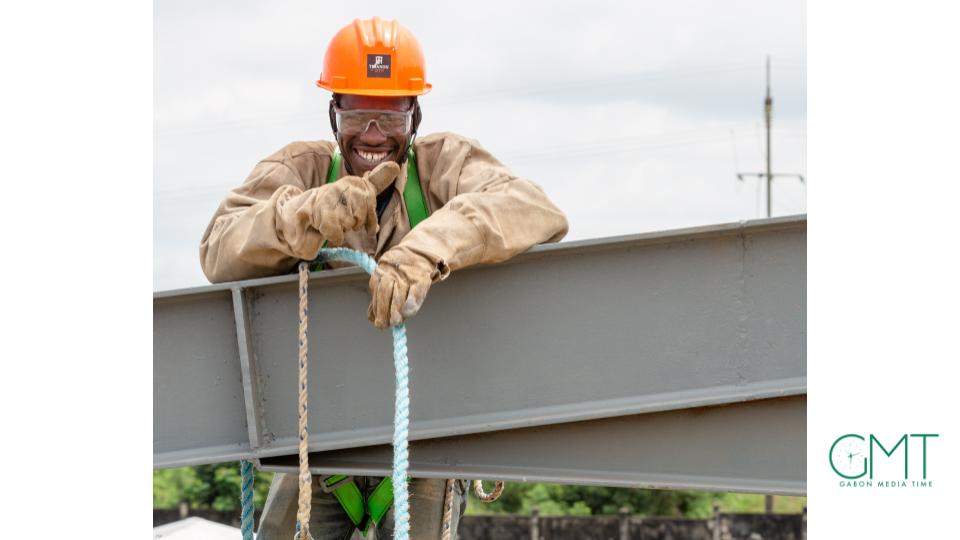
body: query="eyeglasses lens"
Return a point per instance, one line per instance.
(356, 122)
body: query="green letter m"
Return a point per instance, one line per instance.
(890, 453)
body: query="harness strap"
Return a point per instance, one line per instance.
(413, 192)
(360, 512)
(347, 492)
(379, 502)
(334, 167)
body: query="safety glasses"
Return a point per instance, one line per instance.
(356, 121)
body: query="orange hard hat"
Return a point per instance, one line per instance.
(374, 58)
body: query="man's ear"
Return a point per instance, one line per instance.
(333, 119)
(417, 116)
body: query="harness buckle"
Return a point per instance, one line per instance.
(339, 483)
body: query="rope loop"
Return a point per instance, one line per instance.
(488, 497)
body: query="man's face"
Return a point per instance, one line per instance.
(376, 141)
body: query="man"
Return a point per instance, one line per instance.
(422, 207)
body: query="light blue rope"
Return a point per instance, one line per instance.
(246, 499)
(401, 415)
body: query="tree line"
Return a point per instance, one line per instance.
(217, 487)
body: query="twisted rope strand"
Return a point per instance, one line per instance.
(303, 501)
(445, 531)
(246, 499)
(401, 435)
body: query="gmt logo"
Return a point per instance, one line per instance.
(872, 461)
(378, 65)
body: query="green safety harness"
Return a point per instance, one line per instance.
(363, 512)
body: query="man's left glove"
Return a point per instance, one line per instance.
(399, 285)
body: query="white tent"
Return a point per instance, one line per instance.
(194, 528)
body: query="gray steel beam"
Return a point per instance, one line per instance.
(248, 367)
(199, 414)
(758, 446)
(564, 333)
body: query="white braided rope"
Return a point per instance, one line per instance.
(303, 501)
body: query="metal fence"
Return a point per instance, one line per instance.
(722, 526)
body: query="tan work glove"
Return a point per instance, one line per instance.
(348, 204)
(399, 285)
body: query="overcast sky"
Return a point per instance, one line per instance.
(633, 116)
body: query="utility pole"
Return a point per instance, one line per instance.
(768, 119)
(768, 116)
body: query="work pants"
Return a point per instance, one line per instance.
(328, 520)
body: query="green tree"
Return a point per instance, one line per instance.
(206, 486)
(558, 499)
(218, 487)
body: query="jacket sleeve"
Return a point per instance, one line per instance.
(490, 215)
(262, 227)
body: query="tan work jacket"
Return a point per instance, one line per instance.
(480, 212)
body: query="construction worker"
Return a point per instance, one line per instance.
(423, 207)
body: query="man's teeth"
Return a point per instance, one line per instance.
(373, 157)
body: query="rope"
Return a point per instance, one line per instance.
(447, 510)
(488, 497)
(246, 499)
(401, 425)
(303, 502)
(401, 418)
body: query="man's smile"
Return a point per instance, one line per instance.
(372, 157)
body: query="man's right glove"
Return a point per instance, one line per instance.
(348, 204)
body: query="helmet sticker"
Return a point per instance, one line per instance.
(378, 65)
